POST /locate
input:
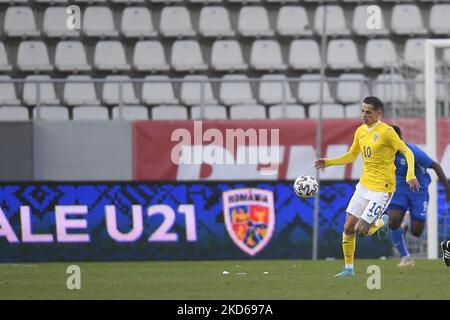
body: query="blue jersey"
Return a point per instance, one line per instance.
(422, 163)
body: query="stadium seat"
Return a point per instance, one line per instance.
(282, 1)
(187, 56)
(149, 56)
(247, 112)
(8, 94)
(110, 56)
(351, 92)
(407, 20)
(129, 1)
(51, 113)
(253, 21)
(71, 56)
(33, 56)
(329, 111)
(176, 22)
(90, 1)
(236, 90)
(191, 92)
(293, 21)
(226, 55)
(304, 55)
(162, 92)
(419, 88)
(166, 1)
(272, 92)
(137, 23)
(20, 22)
(292, 112)
(309, 90)
(439, 21)
(12, 2)
(415, 52)
(4, 62)
(111, 95)
(383, 85)
(14, 113)
(446, 56)
(80, 93)
(342, 55)
(353, 111)
(54, 26)
(47, 91)
(380, 53)
(336, 25)
(359, 25)
(169, 113)
(90, 113)
(98, 22)
(214, 21)
(243, 2)
(130, 113)
(266, 55)
(211, 112)
(205, 2)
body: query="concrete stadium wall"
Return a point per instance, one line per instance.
(82, 150)
(16, 151)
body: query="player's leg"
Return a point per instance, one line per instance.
(418, 209)
(372, 220)
(445, 246)
(397, 234)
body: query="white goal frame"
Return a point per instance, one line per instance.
(431, 143)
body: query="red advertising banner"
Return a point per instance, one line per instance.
(257, 149)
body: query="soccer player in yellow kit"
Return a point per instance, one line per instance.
(377, 143)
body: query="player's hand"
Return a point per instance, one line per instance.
(319, 164)
(414, 184)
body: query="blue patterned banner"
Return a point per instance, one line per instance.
(171, 221)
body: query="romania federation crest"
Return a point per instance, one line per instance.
(249, 218)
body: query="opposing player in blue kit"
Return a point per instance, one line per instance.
(416, 202)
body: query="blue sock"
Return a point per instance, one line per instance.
(397, 237)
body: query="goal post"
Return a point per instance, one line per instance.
(431, 138)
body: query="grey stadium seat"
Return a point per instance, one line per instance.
(380, 53)
(33, 56)
(272, 92)
(439, 22)
(110, 56)
(214, 21)
(304, 55)
(211, 112)
(236, 90)
(415, 52)
(176, 22)
(90, 113)
(20, 22)
(406, 19)
(248, 112)
(191, 92)
(226, 55)
(342, 55)
(187, 56)
(131, 113)
(353, 111)
(98, 22)
(169, 112)
(293, 21)
(162, 92)
(137, 23)
(382, 88)
(149, 56)
(54, 26)
(419, 88)
(14, 113)
(111, 91)
(4, 62)
(309, 91)
(71, 56)
(351, 92)
(335, 21)
(47, 91)
(253, 21)
(292, 112)
(51, 113)
(329, 111)
(266, 55)
(8, 94)
(80, 93)
(359, 25)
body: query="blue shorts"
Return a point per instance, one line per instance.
(415, 202)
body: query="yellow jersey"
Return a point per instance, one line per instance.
(377, 145)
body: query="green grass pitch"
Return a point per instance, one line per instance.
(284, 279)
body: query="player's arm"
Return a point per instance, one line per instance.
(346, 158)
(442, 178)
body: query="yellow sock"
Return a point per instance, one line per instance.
(348, 247)
(375, 226)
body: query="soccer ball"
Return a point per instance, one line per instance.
(306, 186)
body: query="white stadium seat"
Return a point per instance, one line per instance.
(14, 113)
(47, 94)
(60, 113)
(304, 55)
(130, 113)
(71, 56)
(360, 27)
(55, 19)
(176, 22)
(149, 56)
(406, 19)
(292, 112)
(380, 53)
(187, 56)
(353, 111)
(415, 52)
(272, 92)
(248, 112)
(4, 62)
(211, 112)
(253, 21)
(342, 55)
(137, 23)
(309, 91)
(191, 92)
(90, 113)
(236, 90)
(110, 56)
(266, 55)
(351, 92)
(80, 93)
(382, 88)
(8, 94)
(335, 21)
(98, 22)
(20, 22)
(169, 113)
(111, 91)
(293, 21)
(439, 22)
(329, 111)
(155, 92)
(226, 55)
(214, 21)
(33, 56)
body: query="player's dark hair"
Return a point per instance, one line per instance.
(397, 130)
(375, 102)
